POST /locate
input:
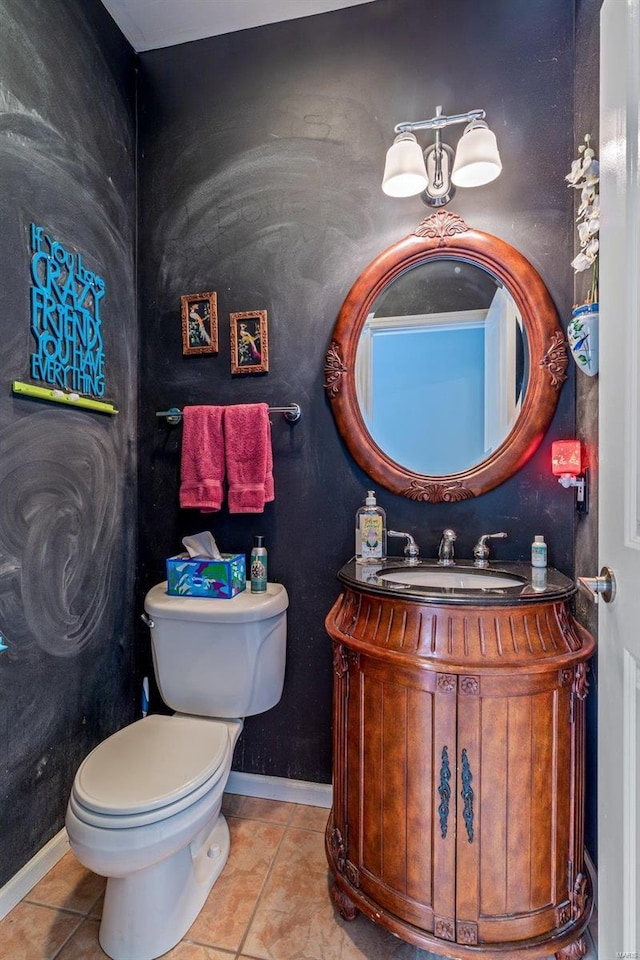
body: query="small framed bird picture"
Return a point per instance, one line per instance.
(199, 323)
(249, 342)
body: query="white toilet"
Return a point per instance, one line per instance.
(145, 805)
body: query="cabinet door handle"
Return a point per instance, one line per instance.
(445, 791)
(467, 794)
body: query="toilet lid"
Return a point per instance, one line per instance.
(150, 764)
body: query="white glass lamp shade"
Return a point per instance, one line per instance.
(404, 171)
(477, 159)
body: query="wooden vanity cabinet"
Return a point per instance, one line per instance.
(457, 821)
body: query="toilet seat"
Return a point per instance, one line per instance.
(151, 770)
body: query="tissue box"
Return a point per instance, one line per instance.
(218, 579)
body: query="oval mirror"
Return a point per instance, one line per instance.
(445, 363)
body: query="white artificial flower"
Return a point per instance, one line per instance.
(575, 174)
(585, 176)
(584, 233)
(591, 249)
(593, 220)
(580, 263)
(587, 200)
(591, 172)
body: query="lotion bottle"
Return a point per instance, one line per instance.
(538, 552)
(371, 531)
(258, 566)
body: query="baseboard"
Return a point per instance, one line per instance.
(25, 879)
(279, 788)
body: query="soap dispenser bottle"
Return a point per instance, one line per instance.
(258, 566)
(371, 531)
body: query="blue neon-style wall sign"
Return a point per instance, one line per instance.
(65, 318)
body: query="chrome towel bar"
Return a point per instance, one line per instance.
(291, 412)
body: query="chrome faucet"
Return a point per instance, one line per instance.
(445, 550)
(481, 550)
(411, 550)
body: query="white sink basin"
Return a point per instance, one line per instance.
(450, 577)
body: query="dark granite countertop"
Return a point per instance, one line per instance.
(530, 584)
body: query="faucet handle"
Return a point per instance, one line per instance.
(411, 550)
(481, 550)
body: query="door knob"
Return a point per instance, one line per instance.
(603, 586)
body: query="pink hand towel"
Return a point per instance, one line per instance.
(247, 444)
(202, 467)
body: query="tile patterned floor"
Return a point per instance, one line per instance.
(271, 901)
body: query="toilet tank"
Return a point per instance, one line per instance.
(219, 658)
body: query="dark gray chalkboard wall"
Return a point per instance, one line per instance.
(67, 478)
(260, 166)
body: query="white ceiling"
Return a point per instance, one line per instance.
(149, 24)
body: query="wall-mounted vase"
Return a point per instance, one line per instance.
(582, 334)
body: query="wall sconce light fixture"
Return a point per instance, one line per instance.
(567, 466)
(435, 172)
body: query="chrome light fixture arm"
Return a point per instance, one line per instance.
(439, 121)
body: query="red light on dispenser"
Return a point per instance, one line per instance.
(566, 458)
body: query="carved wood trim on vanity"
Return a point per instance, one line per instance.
(467, 933)
(574, 951)
(455, 729)
(529, 633)
(444, 928)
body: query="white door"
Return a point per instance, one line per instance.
(619, 497)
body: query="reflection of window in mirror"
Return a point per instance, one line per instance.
(439, 392)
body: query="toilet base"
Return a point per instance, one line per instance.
(148, 912)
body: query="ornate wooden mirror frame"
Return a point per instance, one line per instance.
(445, 235)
